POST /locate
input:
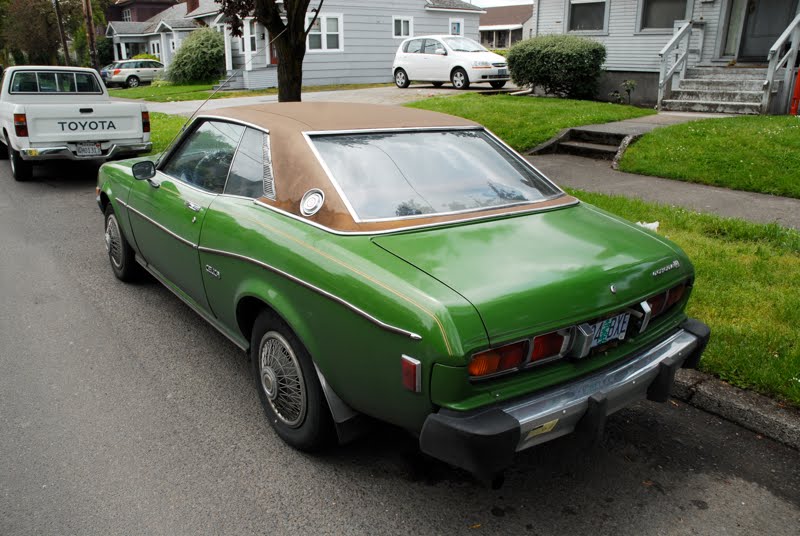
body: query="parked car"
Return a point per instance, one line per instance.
(64, 113)
(408, 266)
(131, 73)
(439, 58)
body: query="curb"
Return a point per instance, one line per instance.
(755, 412)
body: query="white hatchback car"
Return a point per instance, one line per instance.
(439, 58)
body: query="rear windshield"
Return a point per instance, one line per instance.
(425, 173)
(54, 82)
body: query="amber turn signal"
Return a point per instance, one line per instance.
(546, 346)
(501, 359)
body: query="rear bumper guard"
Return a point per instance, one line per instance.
(65, 153)
(485, 441)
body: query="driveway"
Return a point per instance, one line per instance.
(121, 412)
(374, 95)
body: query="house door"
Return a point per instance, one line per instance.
(765, 21)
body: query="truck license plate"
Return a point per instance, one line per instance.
(89, 149)
(610, 329)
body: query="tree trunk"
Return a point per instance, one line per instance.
(290, 69)
(59, 19)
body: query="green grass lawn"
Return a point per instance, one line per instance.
(748, 276)
(747, 291)
(756, 154)
(525, 122)
(203, 91)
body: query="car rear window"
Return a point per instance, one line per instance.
(54, 82)
(393, 175)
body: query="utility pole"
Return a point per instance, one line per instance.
(87, 10)
(61, 33)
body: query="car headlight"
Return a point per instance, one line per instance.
(481, 65)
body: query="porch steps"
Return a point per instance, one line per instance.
(235, 83)
(584, 142)
(731, 90)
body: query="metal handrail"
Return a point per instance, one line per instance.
(666, 74)
(775, 63)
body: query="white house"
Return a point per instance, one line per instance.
(503, 26)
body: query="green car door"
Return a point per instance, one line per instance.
(168, 210)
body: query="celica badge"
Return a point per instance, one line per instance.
(664, 269)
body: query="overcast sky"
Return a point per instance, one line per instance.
(493, 3)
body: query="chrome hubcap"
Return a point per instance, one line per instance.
(113, 242)
(401, 79)
(282, 379)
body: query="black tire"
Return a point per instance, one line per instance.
(120, 253)
(459, 78)
(20, 169)
(401, 79)
(133, 81)
(438, 84)
(308, 429)
(498, 84)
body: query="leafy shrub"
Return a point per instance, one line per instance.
(146, 56)
(564, 65)
(200, 58)
(501, 51)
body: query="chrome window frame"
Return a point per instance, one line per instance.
(356, 218)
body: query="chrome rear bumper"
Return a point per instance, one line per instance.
(63, 152)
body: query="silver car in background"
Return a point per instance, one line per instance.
(132, 73)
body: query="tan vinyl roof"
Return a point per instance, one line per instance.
(297, 170)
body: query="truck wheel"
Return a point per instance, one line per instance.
(132, 81)
(288, 386)
(22, 170)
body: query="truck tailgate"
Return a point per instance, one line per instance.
(84, 122)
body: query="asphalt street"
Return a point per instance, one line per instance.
(122, 412)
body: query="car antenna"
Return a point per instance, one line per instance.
(235, 72)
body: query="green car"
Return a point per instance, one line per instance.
(407, 266)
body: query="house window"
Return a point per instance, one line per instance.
(403, 26)
(325, 33)
(172, 45)
(661, 14)
(253, 37)
(587, 15)
(126, 15)
(456, 26)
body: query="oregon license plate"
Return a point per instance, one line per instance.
(89, 149)
(610, 329)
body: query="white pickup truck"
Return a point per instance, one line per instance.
(64, 113)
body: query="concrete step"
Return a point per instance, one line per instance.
(597, 137)
(726, 73)
(727, 85)
(715, 95)
(599, 151)
(745, 108)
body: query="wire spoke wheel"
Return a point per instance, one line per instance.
(114, 241)
(282, 379)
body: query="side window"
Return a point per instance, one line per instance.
(47, 82)
(431, 46)
(415, 46)
(87, 83)
(204, 158)
(248, 172)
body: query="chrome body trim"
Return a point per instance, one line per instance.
(353, 214)
(154, 222)
(191, 306)
(557, 411)
(63, 152)
(648, 313)
(325, 293)
(532, 210)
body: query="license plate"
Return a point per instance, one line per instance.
(502, 72)
(610, 329)
(89, 149)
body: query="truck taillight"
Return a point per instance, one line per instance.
(21, 125)
(145, 121)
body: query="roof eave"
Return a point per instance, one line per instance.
(455, 10)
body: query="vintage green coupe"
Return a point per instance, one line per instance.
(408, 266)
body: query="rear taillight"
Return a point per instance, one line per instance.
(21, 125)
(411, 373)
(547, 346)
(145, 121)
(657, 304)
(117, 71)
(676, 294)
(498, 360)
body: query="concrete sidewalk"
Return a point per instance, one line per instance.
(597, 176)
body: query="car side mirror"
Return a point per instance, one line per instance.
(143, 171)
(441, 52)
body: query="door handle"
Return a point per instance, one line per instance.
(193, 207)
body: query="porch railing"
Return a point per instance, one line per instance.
(678, 48)
(790, 36)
